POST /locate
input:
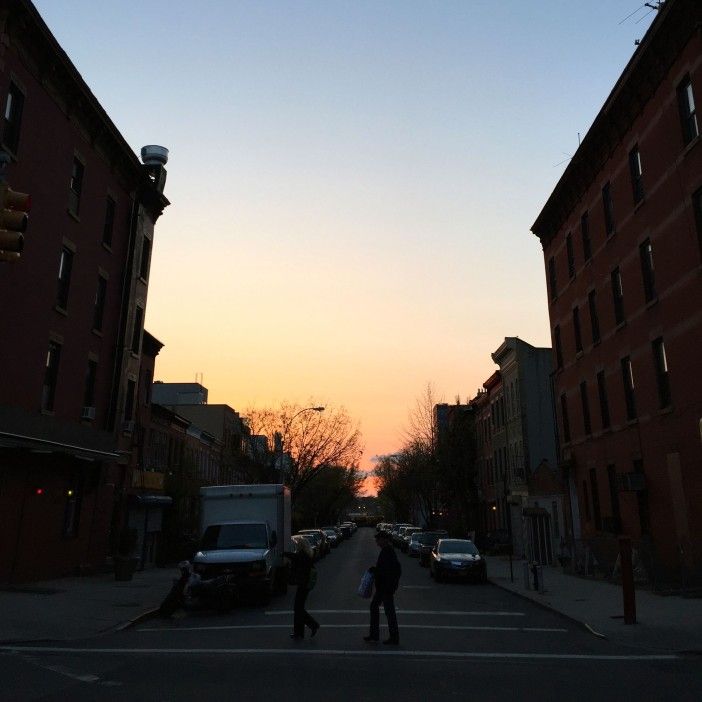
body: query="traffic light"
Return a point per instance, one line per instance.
(14, 207)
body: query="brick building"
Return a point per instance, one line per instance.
(73, 308)
(622, 241)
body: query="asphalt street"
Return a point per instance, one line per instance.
(457, 641)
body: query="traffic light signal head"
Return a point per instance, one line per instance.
(13, 222)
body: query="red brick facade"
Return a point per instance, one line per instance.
(623, 255)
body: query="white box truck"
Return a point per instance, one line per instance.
(244, 530)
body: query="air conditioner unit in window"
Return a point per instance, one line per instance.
(633, 482)
(128, 427)
(87, 413)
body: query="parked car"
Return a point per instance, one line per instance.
(353, 526)
(457, 558)
(345, 530)
(332, 536)
(395, 532)
(496, 542)
(325, 547)
(428, 542)
(406, 536)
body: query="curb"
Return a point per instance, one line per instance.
(144, 616)
(543, 605)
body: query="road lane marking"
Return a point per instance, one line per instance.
(357, 626)
(374, 653)
(288, 612)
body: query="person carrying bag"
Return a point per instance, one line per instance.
(304, 575)
(365, 588)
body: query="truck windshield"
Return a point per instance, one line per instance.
(230, 536)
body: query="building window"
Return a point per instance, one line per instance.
(90, 377)
(13, 118)
(136, 334)
(697, 209)
(642, 499)
(145, 258)
(64, 277)
(48, 392)
(688, 114)
(552, 277)
(647, 272)
(571, 256)
(76, 187)
(585, 235)
(558, 346)
(586, 501)
(100, 297)
(129, 401)
(596, 513)
(628, 380)
(662, 375)
(594, 321)
(608, 207)
(617, 296)
(564, 418)
(604, 402)
(576, 330)
(615, 525)
(636, 174)
(587, 426)
(108, 227)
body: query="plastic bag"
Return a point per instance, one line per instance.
(365, 588)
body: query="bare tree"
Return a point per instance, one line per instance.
(421, 421)
(310, 438)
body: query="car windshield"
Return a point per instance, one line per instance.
(219, 537)
(458, 546)
(428, 538)
(312, 536)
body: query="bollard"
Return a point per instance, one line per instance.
(525, 566)
(535, 573)
(628, 592)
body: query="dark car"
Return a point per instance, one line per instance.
(457, 558)
(429, 540)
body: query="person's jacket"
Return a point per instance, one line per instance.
(387, 570)
(301, 564)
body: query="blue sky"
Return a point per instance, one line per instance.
(359, 178)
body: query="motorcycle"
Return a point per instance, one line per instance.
(190, 591)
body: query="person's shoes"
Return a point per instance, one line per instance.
(297, 637)
(391, 642)
(370, 639)
(315, 629)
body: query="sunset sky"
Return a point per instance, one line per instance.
(352, 183)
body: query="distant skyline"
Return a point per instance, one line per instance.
(352, 183)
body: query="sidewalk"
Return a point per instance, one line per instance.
(663, 623)
(74, 608)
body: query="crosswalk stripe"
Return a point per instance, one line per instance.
(273, 612)
(358, 626)
(374, 653)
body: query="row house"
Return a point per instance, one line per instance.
(516, 452)
(73, 308)
(622, 240)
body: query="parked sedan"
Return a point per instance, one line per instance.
(429, 540)
(406, 536)
(457, 558)
(332, 536)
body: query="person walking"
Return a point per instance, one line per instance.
(386, 573)
(301, 566)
